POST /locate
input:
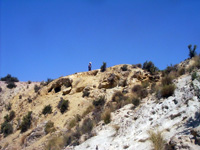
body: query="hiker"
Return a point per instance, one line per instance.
(89, 66)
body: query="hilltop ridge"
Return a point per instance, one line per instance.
(128, 93)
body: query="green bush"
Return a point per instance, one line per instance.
(6, 128)
(167, 90)
(194, 76)
(26, 122)
(149, 66)
(9, 117)
(63, 105)
(9, 78)
(103, 67)
(11, 85)
(99, 102)
(124, 68)
(47, 110)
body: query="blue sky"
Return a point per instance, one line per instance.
(42, 39)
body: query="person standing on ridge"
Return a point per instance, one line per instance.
(89, 66)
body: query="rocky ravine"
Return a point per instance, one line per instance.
(177, 117)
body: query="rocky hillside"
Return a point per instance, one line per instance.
(124, 107)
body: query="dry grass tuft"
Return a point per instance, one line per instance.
(157, 140)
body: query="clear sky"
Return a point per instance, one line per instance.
(42, 39)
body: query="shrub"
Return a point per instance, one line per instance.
(26, 122)
(140, 91)
(6, 128)
(181, 71)
(157, 140)
(55, 143)
(49, 80)
(99, 102)
(9, 117)
(49, 127)
(192, 52)
(63, 105)
(11, 85)
(86, 93)
(9, 78)
(170, 69)
(36, 88)
(88, 110)
(149, 66)
(103, 67)
(136, 88)
(135, 101)
(167, 90)
(87, 126)
(117, 96)
(145, 84)
(167, 80)
(47, 110)
(29, 82)
(106, 116)
(194, 76)
(0, 89)
(124, 68)
(8, 106)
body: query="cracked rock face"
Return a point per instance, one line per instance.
(177, 117)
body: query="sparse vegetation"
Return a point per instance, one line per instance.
(9, 117)
(194, 76)
(140, 91)
(11, 85)
(49, 127)
(6, 128)
(0, 89)
(63, 105)
(106, 116)
(103, 67)
(88, 110)
(157, 140)
(47, 110)
(87, 126)
(36, 88)
(86, 93)
(167, 90)
(124, 68)
(149, 66)
(8, 106)
(26, 122)
(99, 101)
(9, 78)
(135, 101)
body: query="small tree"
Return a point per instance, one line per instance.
(192, 52)
(103, 67)
(149, 66)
